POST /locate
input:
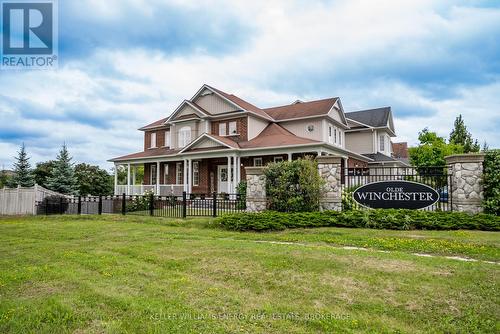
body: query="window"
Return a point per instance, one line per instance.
(382, 143)
(152, 143)
(329, 133)
(167, 138)
(196, 173)
(335, 137)
(165, 174)
(222, 129)
(232, 128)
(340, 137)
(278, 159)
(257, 162)
(184, 136)
(153, 174)
(179, 173)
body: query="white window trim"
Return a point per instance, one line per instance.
(231, 133)
(165, 173)
(152, 140)
(184, 139)
(196, 180)
(255, 160)
(222, 129)
(179, 170)
(167, 138)
(152, 174)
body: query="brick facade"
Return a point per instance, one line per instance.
(241, 128)
(160, 138)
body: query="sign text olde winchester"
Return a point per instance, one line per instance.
(396, 195)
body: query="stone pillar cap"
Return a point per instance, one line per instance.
(329, 159)
(254, 170)
(468, 157)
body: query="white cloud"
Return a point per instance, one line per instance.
(298, 50)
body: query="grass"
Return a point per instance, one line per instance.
(116, 274)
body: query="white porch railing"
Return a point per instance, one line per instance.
(165, 189)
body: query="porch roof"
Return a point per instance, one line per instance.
(149, 153)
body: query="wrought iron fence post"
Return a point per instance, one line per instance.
(184, 204)
(123, 204)
(99, 206)
(214, 204)
(151, 204)
(79, 210)
(46, 200)
(61, 205)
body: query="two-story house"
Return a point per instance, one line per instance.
(206, 142)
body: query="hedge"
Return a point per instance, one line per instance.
(394, 219)
(491, 182)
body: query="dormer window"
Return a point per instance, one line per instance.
(232, 128)
(382, 143)
(152, 142)
(184, 136)
(222, 129)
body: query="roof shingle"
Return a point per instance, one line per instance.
(302, 109)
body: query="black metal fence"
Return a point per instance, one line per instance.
(187, 205)
(434, 177)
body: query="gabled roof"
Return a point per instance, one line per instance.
(275, 135)
(302, 109)
(222, 141)
(372, 117)
(240, 102)
(155, 124)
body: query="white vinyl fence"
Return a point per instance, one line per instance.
(22, 201)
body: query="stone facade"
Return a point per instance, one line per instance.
(466, 172)
(256, 189)
(329, 168)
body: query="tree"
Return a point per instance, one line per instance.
(63, 178)
(5, 179)
(23, 175)
(461, 136)
(43, 171)
(432, 149)
(93, 180)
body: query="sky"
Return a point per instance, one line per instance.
(126, 63)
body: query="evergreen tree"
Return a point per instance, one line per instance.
(461, 136)
(63, 178)
(23, 175)
(485, 146)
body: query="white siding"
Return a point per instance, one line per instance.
(206, 143)
(299, 128)
(255, 126)
(214, 104)
(187, 110)
(359, 142)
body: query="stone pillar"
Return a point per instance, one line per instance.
(329, 168)
(466, 171)
(256, 189)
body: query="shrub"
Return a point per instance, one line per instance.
(140, 203)
(241, 190)
(293, 186)
(395, 219)
(491, 182)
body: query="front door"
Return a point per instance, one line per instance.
(222, 177)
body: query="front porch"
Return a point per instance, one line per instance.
(194, 175)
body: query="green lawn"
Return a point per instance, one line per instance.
(116, 274)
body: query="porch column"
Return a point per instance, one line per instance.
(238, 170)
(134, 168)
(190, 176)
(116, 179)
(184, 174)
(128, 179)
(229, 174)
(158, 178)
(289, 156)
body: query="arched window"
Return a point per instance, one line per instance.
(184, 136)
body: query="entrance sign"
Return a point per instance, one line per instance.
(396, 195)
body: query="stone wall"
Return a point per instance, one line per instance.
(256, 189)
(329, 168)
(466, 172)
